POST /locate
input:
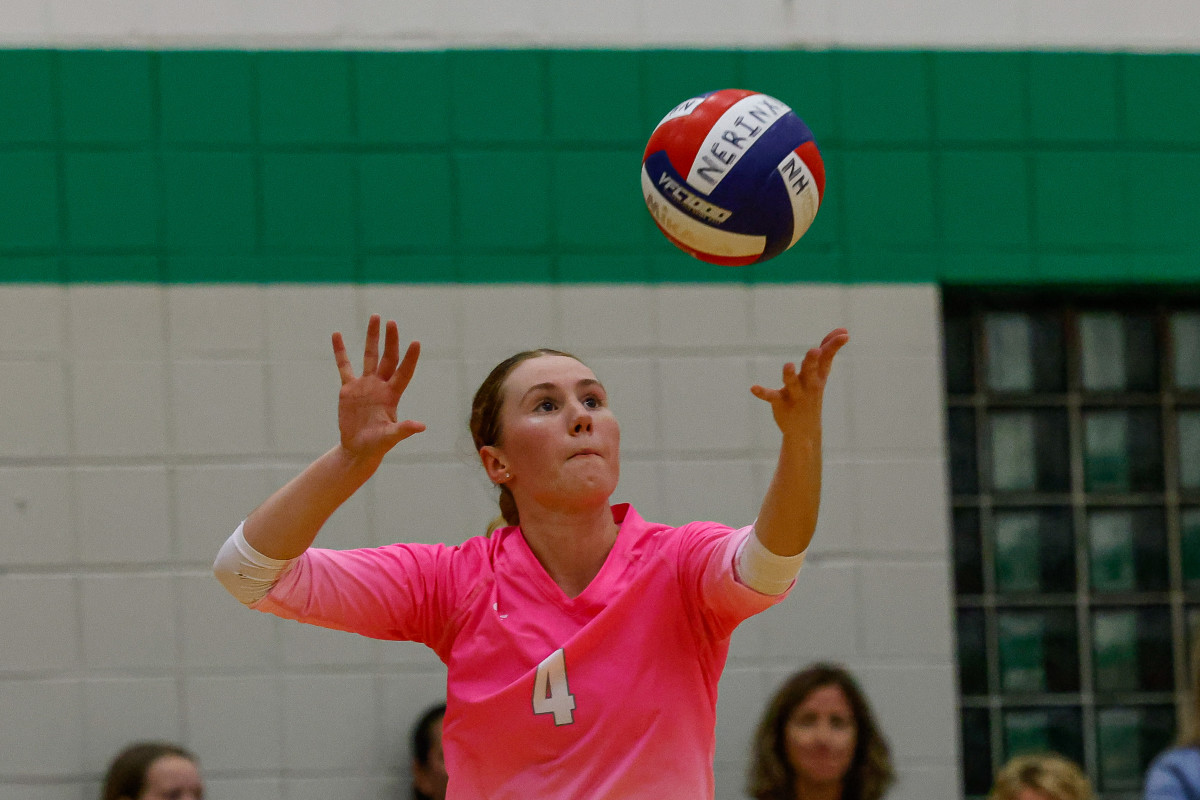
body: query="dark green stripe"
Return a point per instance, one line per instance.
(499, 166)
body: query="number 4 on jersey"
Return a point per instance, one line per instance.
(551, 695)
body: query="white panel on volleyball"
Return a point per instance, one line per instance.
(686, 228)
(802, 191)
(682, 110)
(742, 124)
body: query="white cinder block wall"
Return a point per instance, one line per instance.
(353, 24)
(148, 420)
(139, 423)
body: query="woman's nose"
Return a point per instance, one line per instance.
(583, 419)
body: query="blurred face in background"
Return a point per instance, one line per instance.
(1029, 793)
(821, 736)
(173, 778)
(430, 778)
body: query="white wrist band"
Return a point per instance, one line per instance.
(764, 571)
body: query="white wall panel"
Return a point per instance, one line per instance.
(376, 24)
(35, 515)
(35, 421)
(33, 320)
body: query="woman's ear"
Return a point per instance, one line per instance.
(493, 464)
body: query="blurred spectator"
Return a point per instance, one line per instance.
(1041, 776)
(1175, 773)
(818, 740)
(428, 764)
(153, 771)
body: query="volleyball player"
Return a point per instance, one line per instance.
(583, 644)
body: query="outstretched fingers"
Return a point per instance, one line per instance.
(403, 374)
(812, 373)
(406, 428)
(390, 367)
(345, 368)
(371, 347)
(835, 335)
(391, 350)
(822, 356)
(763, 393)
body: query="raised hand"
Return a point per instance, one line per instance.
(796, 405)
(367, 403)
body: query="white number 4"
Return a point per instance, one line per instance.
(551, 695)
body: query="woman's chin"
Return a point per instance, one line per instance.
(822, 774)
(586, 493)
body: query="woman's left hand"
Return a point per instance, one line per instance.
(796, 405)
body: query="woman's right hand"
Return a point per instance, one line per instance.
(367, 403)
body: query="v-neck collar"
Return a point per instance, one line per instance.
(596, 591)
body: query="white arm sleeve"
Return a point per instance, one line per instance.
(246, 573)
(764, 571)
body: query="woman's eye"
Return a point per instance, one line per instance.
(591, 401)
(545, 405)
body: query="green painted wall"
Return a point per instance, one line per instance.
(494, 166)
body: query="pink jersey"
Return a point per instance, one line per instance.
(611, 694)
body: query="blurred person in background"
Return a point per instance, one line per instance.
(428, 764)
(1041, 776)
(818, 740)
(153, 771)
(1175, 773)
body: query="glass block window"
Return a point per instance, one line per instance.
(1074, 450)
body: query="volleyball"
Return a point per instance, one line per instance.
(732, 177)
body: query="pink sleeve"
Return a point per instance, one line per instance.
(401, 591)
(708, 551)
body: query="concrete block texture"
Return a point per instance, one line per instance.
(629, 23)
(119, 408)
(217, 322)
(64, 790)
(598, 320)
(218, 408)
(329, 723)
(705, 404)
(909, 701)
(33, 320)
(49, 742)
(234, 720)
(118, 711)
(906, 609)
(129, 622)
(34, 396)
(123, 513)
(36, 516)
(703, 316)
(40, 626)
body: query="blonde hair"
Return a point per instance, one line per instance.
(1057, 777)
